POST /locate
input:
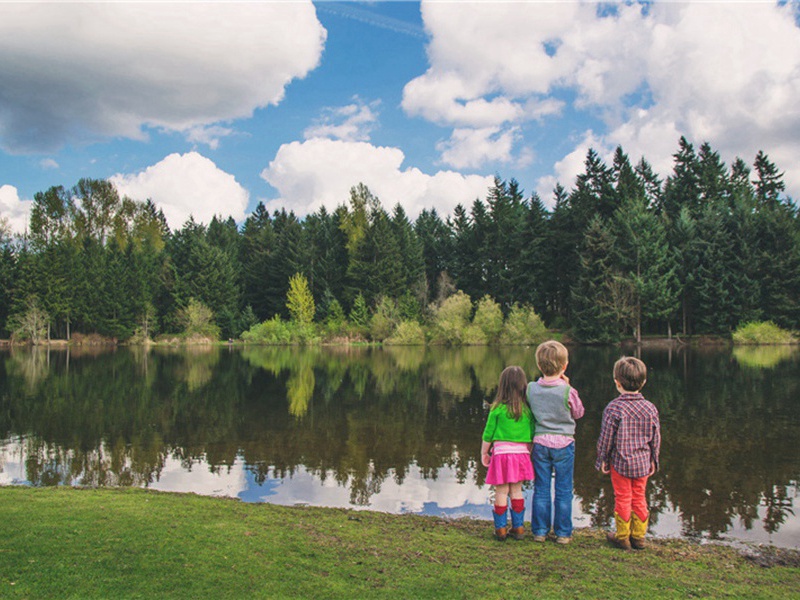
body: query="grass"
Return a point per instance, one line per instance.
(132, 543)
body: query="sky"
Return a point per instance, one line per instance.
(208, 108)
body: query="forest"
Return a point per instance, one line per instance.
(621, 254)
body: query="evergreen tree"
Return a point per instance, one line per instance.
(436, 240)
(532, 276)
(599, 299)
(257, 246)
(682, 188)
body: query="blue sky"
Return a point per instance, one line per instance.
(210, 108)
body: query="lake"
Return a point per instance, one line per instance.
(397, 429)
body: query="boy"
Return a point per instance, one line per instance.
(555, 406)
(630, 439)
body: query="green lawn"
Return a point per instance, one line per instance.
(131, 543)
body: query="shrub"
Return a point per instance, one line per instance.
(273, 332)
(489, 318)
(451, 319)
(474, 336)
(523, 326)
(385, 319)
(762, 333)
(408, 333)
(197, 320)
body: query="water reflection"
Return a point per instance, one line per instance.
(395, 429)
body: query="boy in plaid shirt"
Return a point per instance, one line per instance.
(630, 439)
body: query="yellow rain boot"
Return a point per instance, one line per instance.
(638, 531)
(621, 538)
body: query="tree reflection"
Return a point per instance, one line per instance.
(363, 416)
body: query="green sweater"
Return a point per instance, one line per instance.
(501, 427)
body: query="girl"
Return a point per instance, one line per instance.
(508, 432)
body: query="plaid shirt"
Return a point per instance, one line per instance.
(630, 436)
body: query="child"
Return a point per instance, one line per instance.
(508, 431)
(555, 406)
(630, 439)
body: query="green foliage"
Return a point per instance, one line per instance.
(762, 333)
(299, 300)
(707, 249)
(384, 320)
(197, 319)
(31, 324)
(450, 320)
(524, 326)
(489, 319)
(407, 333)
(359, 314)
(272, 332)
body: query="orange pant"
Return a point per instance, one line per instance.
(629, 495)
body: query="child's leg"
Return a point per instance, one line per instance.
(499, 514)
(564, 463)
(623, 495)
(542, 505)
(640, 516)
(622, 510)
(501, 494)
(517, 510)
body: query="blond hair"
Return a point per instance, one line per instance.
(630, 373)
(551, 357)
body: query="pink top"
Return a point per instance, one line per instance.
(553, 440)
(510, 448)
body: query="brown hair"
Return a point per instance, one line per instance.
(511, 391)
(630, 373)
(551, 357)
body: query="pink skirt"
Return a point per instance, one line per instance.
(509, 468)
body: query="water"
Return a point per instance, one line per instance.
(397, 429)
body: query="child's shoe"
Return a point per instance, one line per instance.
(518, 518)
(621, 538)
(563, 540)
(540, 538)
(638, 532)
(500, 517)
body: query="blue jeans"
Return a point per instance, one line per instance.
(545, 462)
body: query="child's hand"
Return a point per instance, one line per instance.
(565, 378)
(486, 459)
(652, 468)
(604, 469)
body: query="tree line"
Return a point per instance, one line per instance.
(621, 253)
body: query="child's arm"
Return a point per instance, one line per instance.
(488, 437)
(485, 458)
(575, 405)
(655, 443)
(605, 441)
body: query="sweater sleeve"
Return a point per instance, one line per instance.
(655, 442)
(491, 425)
(575, 404)
(604, 442)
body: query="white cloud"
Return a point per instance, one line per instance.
(320, 172)
(723, 72)
(351, 123)
(184, 185)
(209, 135)
(16, 211)
(115, 67)
(48, 163)
(471, 148)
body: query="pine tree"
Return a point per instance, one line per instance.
(598, 298)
